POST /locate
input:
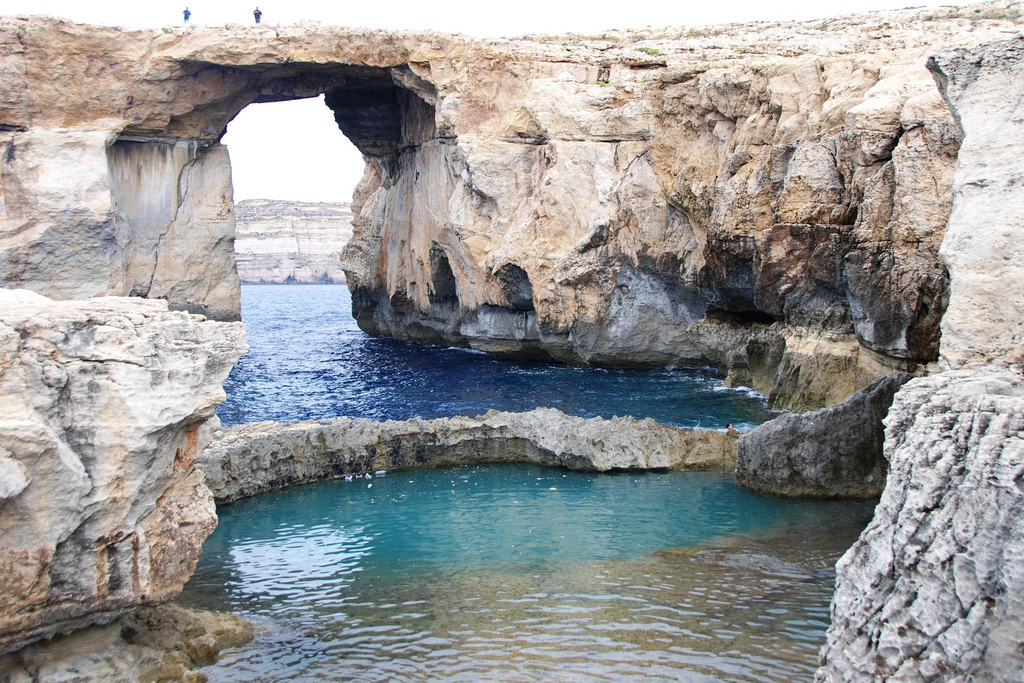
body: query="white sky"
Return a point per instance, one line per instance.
(293, 150)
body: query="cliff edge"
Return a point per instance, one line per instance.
(104, 406)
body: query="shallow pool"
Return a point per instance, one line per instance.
(524, 573)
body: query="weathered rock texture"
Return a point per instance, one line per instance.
(983, 247)
(165, 643)
(290, 242)
(934, 587)
(832, 452)
(83, 214)
(248, 459)
(103, 409)
(768, 198)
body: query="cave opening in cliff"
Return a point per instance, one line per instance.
(293, 173)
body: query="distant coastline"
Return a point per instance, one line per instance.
(284, 242)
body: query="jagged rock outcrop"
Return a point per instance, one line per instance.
(290, 242)
(104, 406)
(767, 198)
(983, 247)
(831, 453)
(934, 587)
(248, 459)
(164, 643)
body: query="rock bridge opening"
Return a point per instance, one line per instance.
(173, 215)
(293, 173)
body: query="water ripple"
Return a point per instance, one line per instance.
(480, 573)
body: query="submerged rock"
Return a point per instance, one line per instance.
(248, 459)
(832, 452)
(104, 406)
(164, 643)
(934, 587)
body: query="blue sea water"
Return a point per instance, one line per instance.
(309, 360)
(504, 572)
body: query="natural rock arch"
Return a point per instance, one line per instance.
(135, 120)
(778, 215)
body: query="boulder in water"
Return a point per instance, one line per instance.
(832, 452)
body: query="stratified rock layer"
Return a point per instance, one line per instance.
(832, 452)
(934, 587)
(248, 459)
(983, 247)
(103, 409)
(768, 198)
(290, 242)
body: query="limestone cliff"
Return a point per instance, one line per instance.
(103, 409)
(983, 247)
(290, 242)
(932, 589)
(769, 198)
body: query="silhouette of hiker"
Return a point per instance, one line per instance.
(187, 15)
(257, 14)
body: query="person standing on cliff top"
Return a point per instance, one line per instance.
(257, 14)
(187, 15)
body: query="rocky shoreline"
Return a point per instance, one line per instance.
(797, 204)
(163, 643)
(249, 459)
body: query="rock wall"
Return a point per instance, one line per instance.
(831, 453)
(934, 587)
(104, 407)
(290, 242)
(767, 198)
(85, 214)
(983, 247)
(248, 459)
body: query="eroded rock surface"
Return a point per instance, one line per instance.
(983, 247)
(832, 452)
(103, 409)
(164, 643)
(768, 198)
(248, 459)
(934, 587)
(291, 242)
